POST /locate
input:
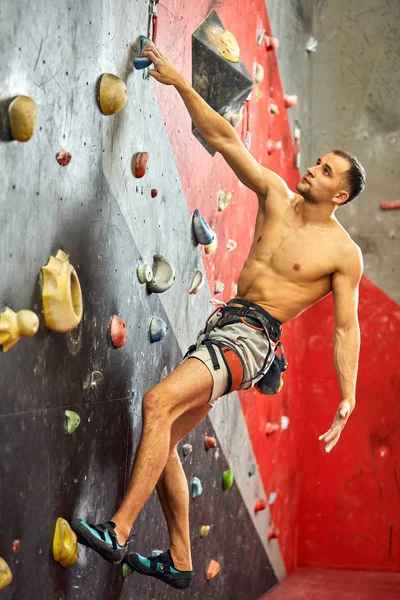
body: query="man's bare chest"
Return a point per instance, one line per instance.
(299, 254)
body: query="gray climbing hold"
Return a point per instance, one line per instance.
(187, 449)
(163, 275)
(144, 273)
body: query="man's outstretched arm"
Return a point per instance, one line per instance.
(346, 342)
(217, 132)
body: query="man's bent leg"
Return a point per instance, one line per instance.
(173, 493)
(188, 387)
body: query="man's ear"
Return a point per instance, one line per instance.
(340, 197)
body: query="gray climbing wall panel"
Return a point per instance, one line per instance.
(107, 222)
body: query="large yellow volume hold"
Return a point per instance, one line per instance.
(65, 544)
(13, 326)
(5, 574)
(225, 42)
(62, 294)
(22, 116)
(113, 94)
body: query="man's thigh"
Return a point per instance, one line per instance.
(189, 386)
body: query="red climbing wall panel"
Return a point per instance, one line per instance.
(349, 501)
(202, 178)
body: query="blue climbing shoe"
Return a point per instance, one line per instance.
(100, 538)
(161, 567)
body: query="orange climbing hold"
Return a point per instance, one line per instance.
(209, 442)
(141, 164)
(118, 332)
(260, 505)
(213, 569)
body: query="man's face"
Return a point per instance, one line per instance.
(326, 181)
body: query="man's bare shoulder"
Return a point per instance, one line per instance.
(276, 187)
(349, 258)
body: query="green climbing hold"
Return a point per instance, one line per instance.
(73, 421)
(126, 571)
(227, 479)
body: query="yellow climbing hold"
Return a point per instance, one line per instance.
(204, 530)
(65, 544)
(22, 116)
(225, 43)
(62, 294)
(13, 326)
(113, 94)
(5, 574)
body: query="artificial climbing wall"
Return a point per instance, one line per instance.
(107, 221)
(349, 512)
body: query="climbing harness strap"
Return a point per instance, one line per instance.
(253, 316)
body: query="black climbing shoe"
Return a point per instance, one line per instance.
(161, 567)
(101, 538)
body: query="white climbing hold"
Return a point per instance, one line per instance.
(163, 275)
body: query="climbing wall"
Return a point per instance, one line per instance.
(108, 223)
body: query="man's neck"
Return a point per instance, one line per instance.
(315, 214)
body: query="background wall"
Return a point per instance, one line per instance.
(107, 222)
(349, 513)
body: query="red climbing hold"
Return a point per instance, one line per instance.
(141, 164)
(260, 505)
(118, 332)
(273, 533)
(154, 193)
(64, 158)
(290, 101)
(390, 205)
(16, 547)
(271, 43)
(209, 442)
(274, 146)
(271, 428)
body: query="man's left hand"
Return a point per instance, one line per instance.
(331, 437)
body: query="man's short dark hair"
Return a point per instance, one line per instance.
(355, 175)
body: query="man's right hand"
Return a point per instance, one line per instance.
(165, 72)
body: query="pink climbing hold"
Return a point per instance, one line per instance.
(64, 158)
(271, 428)
(271, 43)
(16, 547)
(210, 442)
(290, 101)
(260, 505)
(154, 193)
(273, 533)
(118, 332)
(274, 146)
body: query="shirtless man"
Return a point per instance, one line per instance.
(300, 253)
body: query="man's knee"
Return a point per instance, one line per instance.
(155, 405)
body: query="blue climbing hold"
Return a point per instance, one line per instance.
(196, 486)
(142, 62)
(203, 234)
